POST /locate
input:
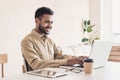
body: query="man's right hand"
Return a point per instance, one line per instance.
(73, 61)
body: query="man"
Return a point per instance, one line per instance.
(39, 51)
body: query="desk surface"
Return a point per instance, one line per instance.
(110, 72)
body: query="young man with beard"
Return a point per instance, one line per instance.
(38, 50)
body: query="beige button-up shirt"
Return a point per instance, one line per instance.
(41, 52)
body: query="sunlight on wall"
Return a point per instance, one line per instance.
(17, 20)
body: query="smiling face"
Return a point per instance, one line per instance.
(44, 24)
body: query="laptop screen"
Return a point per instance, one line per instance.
(100, 52)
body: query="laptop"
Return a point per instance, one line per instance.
(100, 52)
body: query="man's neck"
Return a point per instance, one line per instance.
(39, 31)
(44, 35)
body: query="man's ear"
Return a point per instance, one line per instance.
(36, 20)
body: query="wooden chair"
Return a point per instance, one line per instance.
(115, 54)
(3, 59)
(26, 67)
(23, 68)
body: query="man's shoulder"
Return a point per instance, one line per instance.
(27, 37)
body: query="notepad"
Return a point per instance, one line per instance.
(47, 73)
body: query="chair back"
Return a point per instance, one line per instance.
(26, 67)
(3, 59)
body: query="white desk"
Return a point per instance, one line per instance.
(110, 72)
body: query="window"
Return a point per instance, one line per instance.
(116, 19)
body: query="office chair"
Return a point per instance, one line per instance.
(3, 59)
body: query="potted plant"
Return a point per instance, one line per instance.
(89, 33)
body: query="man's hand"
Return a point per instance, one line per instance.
(73, 61)
(76, 60)
(83, 57)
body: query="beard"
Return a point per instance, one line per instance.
(42, 30)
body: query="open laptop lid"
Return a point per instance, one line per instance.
(100, 52)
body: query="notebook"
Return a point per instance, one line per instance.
(100, 52)
(48, 72)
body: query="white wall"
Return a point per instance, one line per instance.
(68, 14)
(95, 14)
(17, 20)
(100, 15)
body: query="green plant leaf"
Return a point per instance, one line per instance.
(97, 38)
(85, 23)
(90, 26)
(88, 22)
(89, 29)
(84, 39)
(84, 30)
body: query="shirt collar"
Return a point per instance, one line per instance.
(38, 34)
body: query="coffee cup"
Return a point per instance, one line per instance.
(88, 66)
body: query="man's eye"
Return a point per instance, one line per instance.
(46, 21)
(49, 22)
